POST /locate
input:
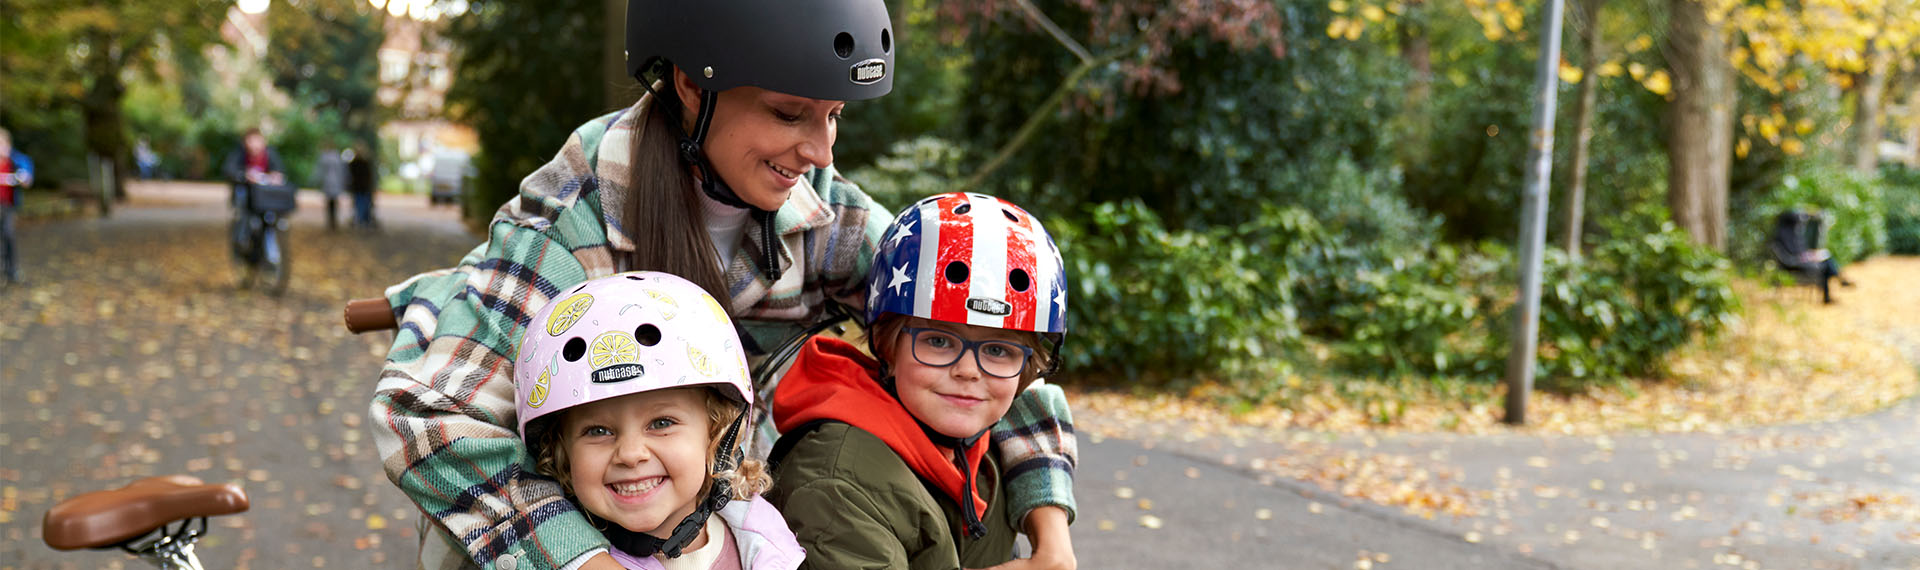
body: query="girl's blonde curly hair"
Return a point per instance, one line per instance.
(748, 479)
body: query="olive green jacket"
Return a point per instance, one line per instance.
(854, 504)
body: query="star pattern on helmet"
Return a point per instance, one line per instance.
(899, 278)
(906, 230)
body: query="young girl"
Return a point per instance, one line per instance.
(631, 391)
(883, 464)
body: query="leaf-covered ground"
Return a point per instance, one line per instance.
(1790, 359)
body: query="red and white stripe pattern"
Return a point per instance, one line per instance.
(1012, 276)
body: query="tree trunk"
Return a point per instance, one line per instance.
(1913, 127)
(1699, 125)
(1584, 110)
(1868, 91)
(105, 132)
(1417, 52)
(621, 91)
(1415, 49)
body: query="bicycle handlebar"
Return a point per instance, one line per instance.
(367, 315)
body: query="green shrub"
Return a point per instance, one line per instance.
(1903, 208)
(1159, 306)
(1618, 313)
(1410, 318)
(911, 170)
(1852, 203)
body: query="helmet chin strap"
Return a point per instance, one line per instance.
(693, 153)
(718, 495)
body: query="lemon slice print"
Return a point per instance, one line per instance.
(614, 348)
(719, 313)
(567, 313)
(538, 395)
(701, 362)
(667, 310)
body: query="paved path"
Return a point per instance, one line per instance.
(127, 353)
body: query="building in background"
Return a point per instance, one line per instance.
(416, 70)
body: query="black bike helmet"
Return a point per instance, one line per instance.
(839, 50)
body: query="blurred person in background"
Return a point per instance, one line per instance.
(16, 174)
(363, 179)
(330, 176)
(254, 163)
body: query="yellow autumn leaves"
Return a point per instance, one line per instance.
(1776, 129)
(1352, 19)
(1498, 19)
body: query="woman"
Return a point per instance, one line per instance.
(732, 162)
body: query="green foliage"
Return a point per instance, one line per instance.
(1903, 208)
(1198, 155)
(529, 73)
(325, 53)
(1852, 204)
(1413, 317)
(927, 76)
(912, 169)
(1158, 305)
(1617, 314)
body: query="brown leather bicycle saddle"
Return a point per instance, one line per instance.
(103, 519)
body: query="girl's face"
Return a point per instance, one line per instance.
(639, 460)
(761, 142)
(958, 400)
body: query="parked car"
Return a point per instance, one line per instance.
(451, 169)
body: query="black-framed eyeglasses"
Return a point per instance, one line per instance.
(941, 348)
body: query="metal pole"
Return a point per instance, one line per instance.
(1533, 220)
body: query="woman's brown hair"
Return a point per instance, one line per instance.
(664, 215)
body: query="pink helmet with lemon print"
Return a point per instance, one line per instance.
(624, 334)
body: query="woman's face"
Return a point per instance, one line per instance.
(761, 142)
(639, 460)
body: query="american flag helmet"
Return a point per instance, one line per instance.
(970, 259)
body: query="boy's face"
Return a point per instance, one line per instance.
(959, 399)
(639, 460)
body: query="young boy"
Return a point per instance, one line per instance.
(883, 463)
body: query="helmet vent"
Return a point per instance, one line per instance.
(576, 348)
(886, 41)
(648, 335)
(963, 208)
(1011, 217)
(843, 45)
(636, 278)
(956, 272)
(1019, 280)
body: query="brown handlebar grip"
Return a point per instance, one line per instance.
(364, 315)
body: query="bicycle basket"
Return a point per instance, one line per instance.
(273, 198)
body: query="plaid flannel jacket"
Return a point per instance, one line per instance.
(443, 410)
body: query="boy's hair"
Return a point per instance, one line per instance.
(888, 329)
(749, 479)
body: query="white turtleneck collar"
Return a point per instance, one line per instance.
(725, 225)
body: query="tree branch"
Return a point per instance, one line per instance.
(1059, 35)
(1067, 85)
